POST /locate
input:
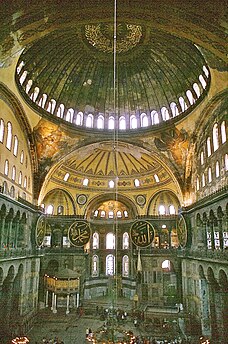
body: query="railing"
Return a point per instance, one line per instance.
(220, 255)
(11, 253)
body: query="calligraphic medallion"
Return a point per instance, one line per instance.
(41, 227)
(142, 233)
(182, 232)
(79, 233)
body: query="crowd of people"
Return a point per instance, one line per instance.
(54, 340)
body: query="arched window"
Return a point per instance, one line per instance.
(196, 89)
(12, 191)
(172, 210)
(111, 184)
(22, 157)
(85, 182)
(19, 68)
(125, 266)
(2, 129)
(9, 136)
(133, 122)
(66, 177)
(164, 113)
(34, 94)
(100, 122)
(51, 106)
(125, 241)
(118, 214)
(43, 100)
(208, 146)
(217, 169)
(6, 169)
(25, 182)
(223, 131)
(95, 213)
(111, 122)
(202, 81)
(144, 120)
(161, 210)
(154, 117)
(125, 213)
(206, 71)
(166, 265)
(13, 173)
(226, 162)
(183, 104)
(60, 111)
(50, 209)
(209, 175)
(102, 213)
(110, 214)
(69, 115)
(136, 182)
(156, 178)
(23, 77)
(203, 180)
(15, 146)
(122, 123)
(197, 183)
(110, 241)
(202, 158)
(5, 187)
(89, 121)
(174, 109)
(95, 241)
(95, 266)
(28, 86)
(215, 137)
(110, 265)
(79, 118)
(60, 210)
(190, 97)
(20, 178)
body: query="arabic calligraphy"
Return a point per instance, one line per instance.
(142, 233)
(182, 231)
(40, 230)
(79, 233)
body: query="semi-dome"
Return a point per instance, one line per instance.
(71, 75)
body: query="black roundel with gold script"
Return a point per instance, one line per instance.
(79, 233)
(142, 233)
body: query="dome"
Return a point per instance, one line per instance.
(71, 76)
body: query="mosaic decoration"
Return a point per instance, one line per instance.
(79, 233)
(182, 231)
(142, 233)
(41, 228)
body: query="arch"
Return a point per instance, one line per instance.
(60, 197)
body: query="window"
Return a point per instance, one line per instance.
(22, 157)
(15, 147)
(206, 71)
(196, 89)
(161, 210)
(144, 120)
(136, 182)
(110, 265)
(95, 260)
(166, 265)
(89, 121)
(95, 241)
(118, 214)
(51, 106)
(190, 97)
(25, 182)
(111, 123)
(209, 175)
(6, 169)
(12, 191)
(110, 241)
(125, 241)
(122, 123)
(125, 266)
(19, 68)
(156, 178)
(125, 213)
(2, 128)
(110, 214)
(35, 94)
(223, 132)
(164, 113)
(154, 117)
(202, 81)
(203, 180)
(202, 158)
(79, 118)
(69, 115)
(172, 210)
(60, 111)
(9, 136)
(85, 182)
(182, 104)
(60, 210)
(66, 177)
(43, 100)
(197, 183)
(20, 178)
(100, 122)
(174, 109)
(28, 86)
(95, 213)
(111, 184)
(215, 137)
(217, 169)
(226, 162)
(13, 173)
(50, 209)
(133, 122)
(208, 146)
(23, 77)
(102, 213)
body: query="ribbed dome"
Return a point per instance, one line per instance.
(72, 72)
